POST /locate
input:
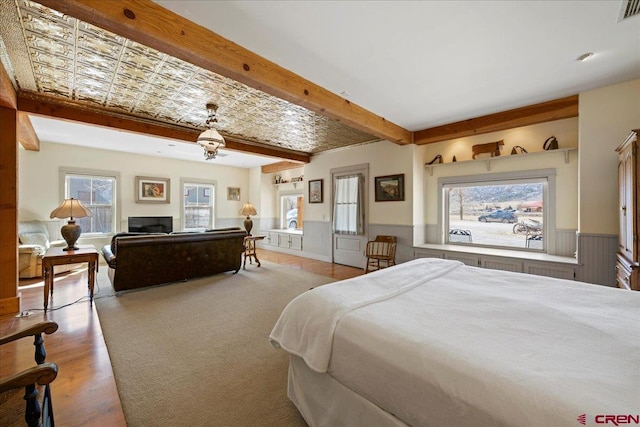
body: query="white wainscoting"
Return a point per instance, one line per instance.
(501, 259)
(404, 233)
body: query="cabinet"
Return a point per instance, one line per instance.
(285, 240)
(509, 260)
(627, 266)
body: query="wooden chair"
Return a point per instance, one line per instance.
(42, 374)
(381, 253)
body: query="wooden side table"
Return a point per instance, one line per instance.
(250, 250)
(56, 256)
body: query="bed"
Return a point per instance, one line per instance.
(434, 342)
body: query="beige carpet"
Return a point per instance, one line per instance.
(196, 353)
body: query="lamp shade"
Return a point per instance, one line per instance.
(248, 209)
(211, 137)
(70, 208)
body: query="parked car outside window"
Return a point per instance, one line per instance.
(292, 218)
(505, 216)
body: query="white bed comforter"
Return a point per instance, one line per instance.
(495, 347)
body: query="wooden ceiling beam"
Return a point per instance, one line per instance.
(27, 136)
(8, 97)
(557, 109)
(280, 166)
(49, 106)
(266, 150)
(149, 24)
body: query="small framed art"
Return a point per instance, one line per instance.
(315, 191)
(389, 188)
(152, 190)
(233, 193)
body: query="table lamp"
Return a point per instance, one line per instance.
(70, 208)
(247, 210)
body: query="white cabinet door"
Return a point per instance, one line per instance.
(295, 242)
(283, 240)
(272, 239)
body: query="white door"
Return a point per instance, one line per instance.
(349, 211)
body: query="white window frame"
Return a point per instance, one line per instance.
(94, 173)
(214, 201)
(504, 178)
(288, 193)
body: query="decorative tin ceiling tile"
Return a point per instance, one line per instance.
(75, 60)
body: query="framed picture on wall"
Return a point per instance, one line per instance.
(315, 191)
(389, 188)
(152, 190)
(233, 193)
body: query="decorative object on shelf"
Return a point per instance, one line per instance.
(488, 161)
(297, 179)
(248, 210)
(210, 139)
(514, 150)
(315, 191)
(437, 158)
(152, 190)
(390, 188)
(551, 143)
(489, 147)
(233, 193)
(71, 208)
(277, 179)
(454, 159)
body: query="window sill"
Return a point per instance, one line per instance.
(529, 256)
(286, 230)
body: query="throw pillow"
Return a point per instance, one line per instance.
(39, 239)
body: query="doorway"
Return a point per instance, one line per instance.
(349, 213)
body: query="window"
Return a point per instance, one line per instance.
(198, 206)
(292, 211)
(98, 194)
(510, 211)
(348, 205)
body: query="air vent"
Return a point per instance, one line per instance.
(629, 8)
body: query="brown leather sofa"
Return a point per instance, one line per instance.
(141, 260)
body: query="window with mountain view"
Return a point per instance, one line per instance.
(506, 214)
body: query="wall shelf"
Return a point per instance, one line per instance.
(489, 160)
(295, 184)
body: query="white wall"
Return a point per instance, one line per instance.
(384, 158)
(39, 187)
(607, 116)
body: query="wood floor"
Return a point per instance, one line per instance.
(84, 393)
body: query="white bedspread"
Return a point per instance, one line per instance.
(306, 325)
(501, 348)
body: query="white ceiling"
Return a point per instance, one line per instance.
(421, 64)
(73, 133)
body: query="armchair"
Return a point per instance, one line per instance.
(35, 413)
(34, 241)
